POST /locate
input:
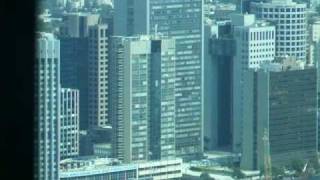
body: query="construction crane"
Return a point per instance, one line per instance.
(267, 159)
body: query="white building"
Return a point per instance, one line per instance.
(255, 44)
(69, 123)
(47, 106)
(291, 25)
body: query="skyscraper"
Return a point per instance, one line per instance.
(74, 57)
(69, 123)
(222, 51)
(182, 20)
(47, 106)
(282, 99)
(98, 99)
(291, 25)
(144, 128)
(255, 44)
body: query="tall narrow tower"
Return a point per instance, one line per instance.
(267, 159)
(47, 107)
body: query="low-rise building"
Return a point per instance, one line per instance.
(92, 168)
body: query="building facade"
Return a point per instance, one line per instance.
(76, 25)
(282, 100)
(47, 105)
(160, 170)
(291, 24)
(74, 72)
(222, 51)
(145, 114)
(182, 20)
(69, 123)
(90, 168)
(98, 99)
(255, 44)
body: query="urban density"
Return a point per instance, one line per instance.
(177, 89)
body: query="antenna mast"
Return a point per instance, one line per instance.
(267, 159)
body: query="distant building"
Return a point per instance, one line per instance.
(255, 44)
(144, 124)
(85, 143)
(102, 150)
(281, 97)
(69, 123)
(74, 72)
(73, 36)
(47, 106)
(160, 170)
(91, 168)
(98, 68)
(291, 25)
(76, 25)
(183, 21)
(224, 11)
(222, 52)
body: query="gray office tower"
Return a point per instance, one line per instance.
(281, 99)
(69, 123)
(291, 25)
(144, 126)
(98, 98)
(222, 51)
(47, 106)
(182, 20)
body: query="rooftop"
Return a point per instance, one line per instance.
(284, 64)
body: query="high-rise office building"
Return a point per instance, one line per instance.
(183, 21)
(47, 105)
(255, 44)
(74, 71)
(210, 103)
(144, 128)
(291, 25)
(281, 98)
(98, 98)
(222, 51)
(74, 57)
(69, 123)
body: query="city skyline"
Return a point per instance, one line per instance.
(178, 86)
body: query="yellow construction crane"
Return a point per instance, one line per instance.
(267, 159)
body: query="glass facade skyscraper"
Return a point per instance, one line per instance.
(182, 20)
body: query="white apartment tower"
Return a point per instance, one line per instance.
(69, 123)
(47, 106)
(255, 44)
(291, 25)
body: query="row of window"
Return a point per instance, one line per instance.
(294, 9)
